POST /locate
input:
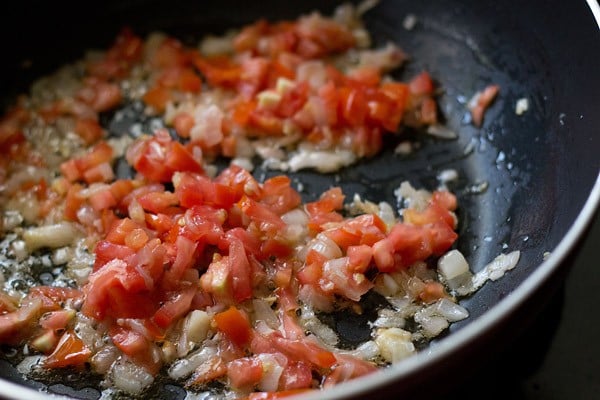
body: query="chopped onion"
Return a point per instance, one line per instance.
(325, 246)
(183, 368)
(386, 285)
(384, 59)
(51, 236)
(394, 344)
(243, 162)
(313, 324)
(272, 370)
(492, 271)
(454, 269)
(389, 319)
(312, 72)
(322, 161)
(263, 312)
(207, 128)
(432, 325)
(441, 131)
(11, 220)
(130, 378)
(413, 198)
(197, 324)
(216, 45)
(366, 351)
(104, 359)
(451, 311)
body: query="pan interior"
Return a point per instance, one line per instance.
(533, 187)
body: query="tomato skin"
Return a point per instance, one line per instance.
(184, 260)
(106, 251)
(70, 351)
(158, 202)
(102, 200)
(304, 350)
(195, 190)
(240, 271)
(174, 308)
(235, 325)
(432, 291)
(119, 59)
(73, 202)
(262, 215)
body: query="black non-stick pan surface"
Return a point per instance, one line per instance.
(541, 169)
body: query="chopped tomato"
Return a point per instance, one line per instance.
(235, 326)
(16, 326)
(432, 291)
(89, 130)
(99, 95)
(183, 124)
(158, 158)
(421, 85)
(137, 347)
(174, 308)
(57, 320)
(481, 102)
(244, 372)
(304, 350)
(70, 351)
(295, 376)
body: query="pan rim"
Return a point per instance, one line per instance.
(447, 346)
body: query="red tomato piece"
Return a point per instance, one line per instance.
(184, 259)
(304, 350)
(244, 373)
(106, 251)
(158, 202)
(240, 271)
(483, 100)
(234, 324)
(174, 308)
(57, 320)
(421, 85)
(89, 130)
(18, 325)
(137, 347)
(70, 351)
(183, 124)
(296, 375)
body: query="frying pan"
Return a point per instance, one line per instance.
(541, 168)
